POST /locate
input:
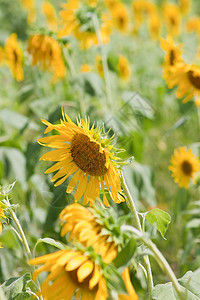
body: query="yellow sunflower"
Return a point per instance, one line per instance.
(142, 9)
(87, 155)
(85, 228)
(46, 52)
(120, 17)
(70, 272)
(184, 166)
(172, 57)
(187, 78)
(172, 18)
(155, 26)
(29, 5)
(185, 6)
(124, 68)
(85, 68)
(14, 57)
(50, 14)
(193, 25)
(77, 20)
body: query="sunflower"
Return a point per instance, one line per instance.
(120, 17)
(141, 10)
(14, 57)
(187, 77)
(154, 26)
(87, 155)
(124, 68)
(184, 166)
(85, 68)
(29, 5)
(46, 52)
(172, 57)
(77, 20)
(172, 18)
(185, 6)
(193, 25)
(70, 272)
(84, 226)
(50, 14)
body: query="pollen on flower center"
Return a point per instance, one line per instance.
(86, 155)
(195, 80)
(186, 167)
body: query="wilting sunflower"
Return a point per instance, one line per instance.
(187, 77)
(124, 68)
(172, 57)
(70, 272)
(14, 57)
(172, 18)
(87, 155)
(120, 17)
(46, 52)
(184, 166)
(50, 14)
(86, 227)
(77, 20)
(29, 5)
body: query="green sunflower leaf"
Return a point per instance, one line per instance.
(51, 242)
(125, 255)
(159, 218)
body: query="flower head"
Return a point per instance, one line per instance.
(124, 68)
(70, 272)
(155, 26)
(85, 154)
(50, 14)
(120, 17)
(184, 166)
(14, 57)
(46, 52)
(185, 6)
(172, 18)
(187, 78)
(85, 68)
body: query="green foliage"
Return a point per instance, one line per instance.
(160, 219)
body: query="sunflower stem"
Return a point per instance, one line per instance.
(104, 60)
(158, 256)
(131, 205)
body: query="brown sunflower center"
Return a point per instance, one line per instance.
(195, 80)
(86, 155)
(186, 167)
(172, 57)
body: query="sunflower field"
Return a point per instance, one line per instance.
(99, 149)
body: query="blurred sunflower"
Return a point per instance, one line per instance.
(46, 52)
(187, 77)
(14, 57)
(86, 227)
(155, 26)
(184, 166)
(101, 230)
(193, 25)
(50, 14)
(29, 5)
(85, 68)
(124, 68)
(70, 272)
(77, 19)
(172, 57)
(120, 17)
(172, 18)
(142, 9)
(86, 154)
(185, 6)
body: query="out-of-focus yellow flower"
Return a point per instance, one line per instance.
(47, 52)
(14, 57)
(193, 25)
(85, 68)
(185, 6)
(50, 14)
(111, 4)
(172, 57)
(120, 18)
(187, 78)
(124, 68)
(2, 55)
(88, 155)
(29, 5)
(85, 228)
(99, 65)
(155, 26)
(141, 10)
(80, 24)
(70, 272)
(172, 18)
(184, 166)
(129, 287)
